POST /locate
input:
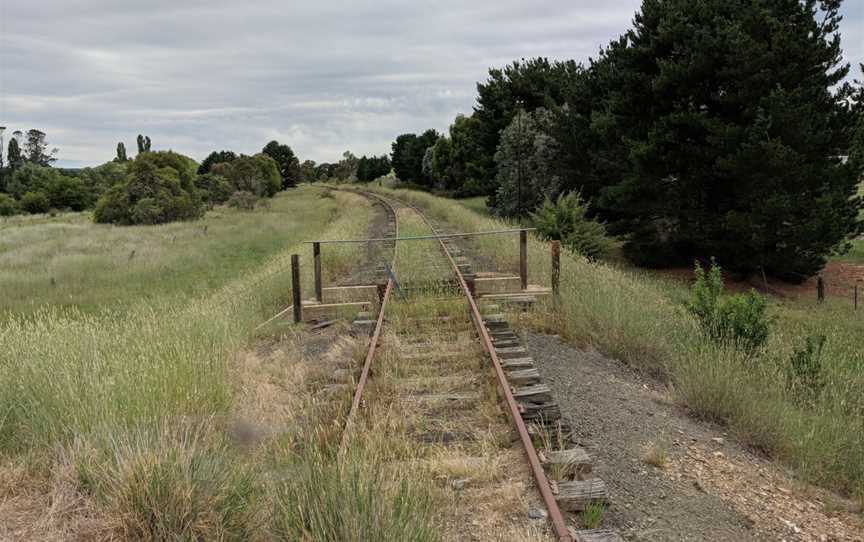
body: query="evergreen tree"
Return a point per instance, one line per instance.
(526, 84)
(215, 157)
(13, 156)
(36, 149)
(121, 153)
(143, 143)
(726, 136)
(289, 165)
(407, 157)
(526, 164)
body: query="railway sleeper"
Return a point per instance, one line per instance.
(575, 495)
(511, 352)
(544, 413)
(517, 363)
(503, 334)
(524, 377)
(573, 463)
(506, 343)
(538, 394)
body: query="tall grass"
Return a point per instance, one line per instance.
(643, 322)
(131, 396)
(65, 373)
(357, 499)
(68, 261)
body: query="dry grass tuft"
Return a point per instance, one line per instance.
(654, 453)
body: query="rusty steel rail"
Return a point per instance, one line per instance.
(376, 335)
(555, 515)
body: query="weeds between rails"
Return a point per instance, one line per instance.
(432, 404)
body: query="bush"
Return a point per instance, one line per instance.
(68, 193)
(565, 220)
(243, 200)
(257, 174)
(804, 374)
(31, 177)
(213, 189)
(741, 318)
(100, 179)
(8, 205)
(35, 202)
(159, 188)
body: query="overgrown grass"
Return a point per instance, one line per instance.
(68, 261)
(356, 499)
(129, 403)
(644, 323)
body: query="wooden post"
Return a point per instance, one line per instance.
(295, 288)
(316, 255)
(523, 258)
(556, 268)
(820, 289)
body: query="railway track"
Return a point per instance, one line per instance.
(432, 402)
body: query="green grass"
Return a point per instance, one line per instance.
(68, 261)
(477, 204)
(643, 322)
(126, 402)
(855, 254)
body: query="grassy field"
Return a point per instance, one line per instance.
(115, 418)
(68, 261)
(643, 322)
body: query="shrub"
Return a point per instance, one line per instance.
(31, 177)
(257, 174)
(243, 200)
(565, 220)
(8, 205)
(35, 202)
(804, 374)
(159, 188)
(100, 179)
(740, 318)
(213, 189)
(68, 193)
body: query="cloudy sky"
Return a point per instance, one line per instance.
(323, 76)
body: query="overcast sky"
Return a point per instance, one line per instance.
(323, 76)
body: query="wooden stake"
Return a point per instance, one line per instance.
(295, 288)
(820, 289)
(523, 258)
(556, 267)
(316, 255)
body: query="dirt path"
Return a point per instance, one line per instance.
(703, 487)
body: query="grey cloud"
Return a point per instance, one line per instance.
(323, 76)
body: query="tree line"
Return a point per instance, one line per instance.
(154, 187)
(710, 128)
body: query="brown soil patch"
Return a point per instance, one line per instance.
(840, 279)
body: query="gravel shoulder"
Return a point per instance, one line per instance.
(674, 478)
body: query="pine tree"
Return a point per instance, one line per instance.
(13, 156)
(36, 149)
(121, 153)
(725, 135)
(289, 165)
